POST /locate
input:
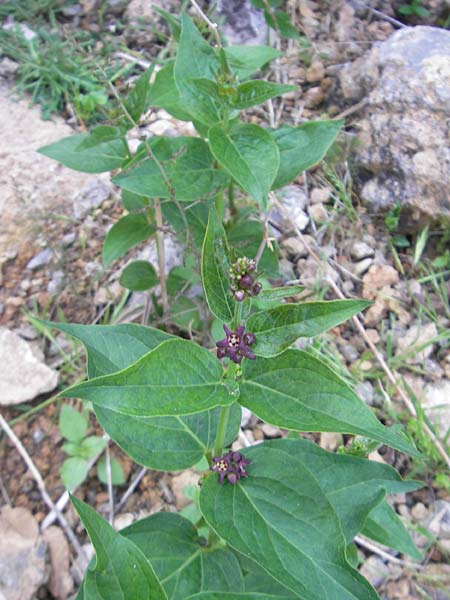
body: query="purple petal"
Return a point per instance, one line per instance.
(222, 343)
(227, 331)
(246, 351)
(232, 478)
(240, 330)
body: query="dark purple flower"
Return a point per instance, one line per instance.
(242, 278)
(246, 282)
(230, 466)
(236, 345)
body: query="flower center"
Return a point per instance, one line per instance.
(234, 340)
(222, 466)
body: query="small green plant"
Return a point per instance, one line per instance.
(279, 516)
(414, 8)
(80, 447)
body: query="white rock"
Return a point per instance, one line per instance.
(436, 405)
(361, 267)
(42, 259)
(320, 195)
(416, 336)
(318, 212)
(295, 247)
(360, 250)
(22, 376)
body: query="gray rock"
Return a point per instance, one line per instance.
(246, 417)
(405, 129)
(22, 555)
(56, 284)
(436, 405)
(364, 389)
(438, 523)
(90, 197)
(294, 200)
(360, 250)
(416, 336)
(40, 260)
(241, 23)
(375, 570)
(295, 247)
(362, 267)
(349, 352)
(8, 67)
(2, 308)
(22, 375)
(67, 240)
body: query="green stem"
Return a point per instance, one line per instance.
(221, 430)
(233, 209)
(219, 202)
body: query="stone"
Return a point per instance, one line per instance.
(404, 149)
(22, 375)
(436, 404)
(56, 284)
(360, 250)
(68, 239)
(123, 520)
(318, 213)
(315, 72)
(349, 352)
(241, 22)
(313, 97)
(365, 391)
(295, 247)
(375, 570)
(330, 441)
(61, 582)
(419, 511)
(8, 67)
(270, 431)
(246, 417)
(415, 337)
(90, 197)
(362, 267)
(22, 555)
(378, 277)
(320, 195)
(293, 200)
(42, 259)
(438, 522)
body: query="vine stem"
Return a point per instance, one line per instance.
(161, 256)
(221, 430)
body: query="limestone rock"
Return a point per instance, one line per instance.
(22, 375)
(61, 583)
(415, 337)
(22, 555)
(405, 130)
(436, 405)
(241, 22)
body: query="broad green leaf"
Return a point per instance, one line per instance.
(103, 157)
(72, 424)
(121, 570)
(276, 329)
(283, 24)
(162, 443)
(214, 261)
(74, 471)
(237, 596)
(184, 567)
(353, 485)
(111, 348)
(195, 59)
(172, 20)
(124, 235)
(137, 100)
(176, 378)
(278, 293)
(164, 93)
(138, 276)
(196, 221)
(91, 446)
(167, 443)
(132, 201)
(190, 172)
(280, 517)
(245, 236)
(252, 93)
(100, 135)
(117, 474)
(249, 154)
(384, 526)
(245, 60)
(302, 147)
(299, 392)
(257, 580)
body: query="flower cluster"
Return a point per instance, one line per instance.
(231, 465)
(242, 276)
(236, 344)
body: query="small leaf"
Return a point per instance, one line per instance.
(72, 424)
(117, 474)
(137, 101)
(284, 25)
(138, 276)
(73, 472)
(256, 92)
(238, 596)
(214, 260)
(276, 329)
(246, 60)
(91, 446)
(171, 544)
(172, 20)
(196, 217)
(249, 154)
(132, 201)
(302, 147)
(297, 391)
(278, 293)
(281, 518)
(164, 93)
(103, 157)
(124, 235)
(121, 570)
(176, 378)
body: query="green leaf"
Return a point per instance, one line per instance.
(100, 135)
(167, 443)
(72, 424)
(281, 518)
(171, 544)
(121, 570)
(284, 25)
(196, 218)
(185, 313)
(111, 348)
(164, 93)
(137, 101)
(172, 21)
(257, 580)
(256, 92)
(117, 474)
(176, 378)
(384, 526)
(124, 235)
(297, 391)
(132, 201)
(103, 157)
(277, 293)
(302, 147)
(138, 276)
(195, 59)
(91, 446)
(214, 261)
(74, 471)
(246, 60)
(245, 236)
(249, 154)
(188, 166)
(276, 329)
(237, 596)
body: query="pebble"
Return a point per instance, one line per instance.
(56, 283)
(313, 97)
(438, 523)
(349, 352)
(246, 417)
(320, 195)
(417, 335)
(41, 259)
(123, 520)
(316, 72)
(375, 570)
(318, 212)
(419, 511)
(330, 441)
(360, 250)
(361, 267)
(295, 247)
(38, 435)
(270, 431)
(67, 240)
